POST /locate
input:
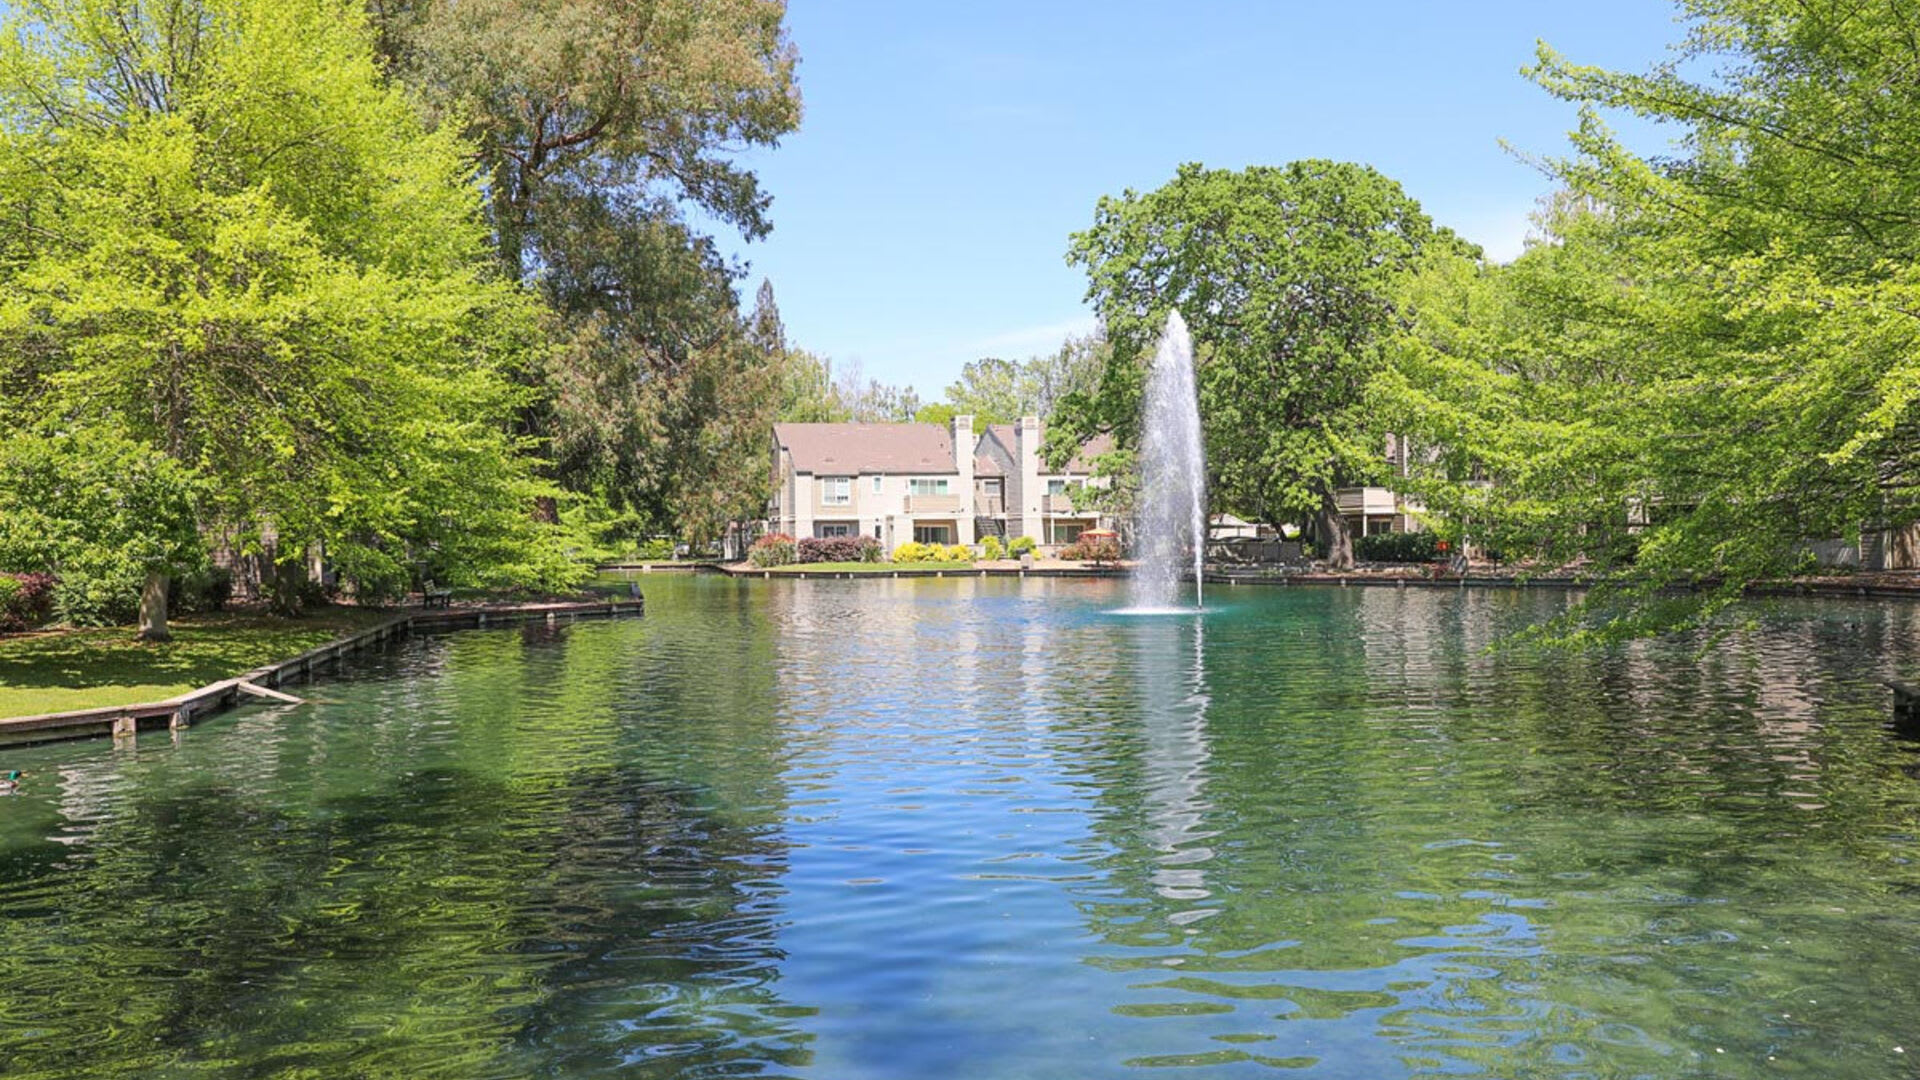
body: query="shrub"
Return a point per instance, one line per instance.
(657, 548)
(1407, 547)
(26, 601)
(839, 549)
(913, 551)
(959, 553)
(1098, 550)
(1022, 545)
(207, 589)
(990, 548)
(773, 549)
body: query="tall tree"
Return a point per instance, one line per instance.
(227, 239)
(1286, 277)
(1712, 359)
(601, 123)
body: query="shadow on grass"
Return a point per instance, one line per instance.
(204, 649)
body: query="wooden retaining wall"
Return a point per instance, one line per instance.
(179, 712)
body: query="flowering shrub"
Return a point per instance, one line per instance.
(26, 601)
(1022, 545)
(1092, 550)
(773, 549)
(911, 552)
(839, 549)
(990, 548)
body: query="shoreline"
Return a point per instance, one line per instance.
(1884, 585)
(180, 711)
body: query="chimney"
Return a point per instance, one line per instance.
(963, 448)
(1027, 493)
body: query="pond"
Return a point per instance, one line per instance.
(986, 829)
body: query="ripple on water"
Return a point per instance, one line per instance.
(983, 828)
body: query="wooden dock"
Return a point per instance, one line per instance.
(123, 721)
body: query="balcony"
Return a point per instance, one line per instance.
(1369, 501)
(989, 505)
(1059, 504)
(933, 504)
(823, 508)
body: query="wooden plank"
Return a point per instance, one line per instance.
(261, 691)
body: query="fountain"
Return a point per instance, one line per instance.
(1170, 521)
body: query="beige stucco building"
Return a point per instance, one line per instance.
(934, 483)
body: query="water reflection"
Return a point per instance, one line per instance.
(932, 828)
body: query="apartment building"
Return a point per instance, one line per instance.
(932, 483)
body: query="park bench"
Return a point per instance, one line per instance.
(430, 596)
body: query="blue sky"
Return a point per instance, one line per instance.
(921, 213)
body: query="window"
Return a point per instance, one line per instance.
(825, 529)
(927, 486)
(991, 487)
(933, 534)
(836, 490)
(1056, 487)
(1067, 534)
(876, 485)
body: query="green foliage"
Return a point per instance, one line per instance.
(655, 549)
(1022, 545)
(1402, 547)
(915, 552)
(996, 391)
(1286, 277)
(100, 511)
(227, 239)
(991, 549)
(774, 549)
(1707, 362)
(599, 125)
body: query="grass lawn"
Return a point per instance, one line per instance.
(81, 669)
(867, 567)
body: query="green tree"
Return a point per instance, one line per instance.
(996, 391)
(224, 237)
(1286, 277)
(599, 124)
(114, 518)
(1710, 360)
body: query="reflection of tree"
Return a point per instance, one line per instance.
(493, 869)
(1428, 856)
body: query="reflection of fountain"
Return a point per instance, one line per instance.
(1171, 518)
(1174, 709)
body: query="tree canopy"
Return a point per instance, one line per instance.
(1707, 362)
(226, 238)
(1286, 277)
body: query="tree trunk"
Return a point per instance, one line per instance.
(153, 607)
(1334, 535)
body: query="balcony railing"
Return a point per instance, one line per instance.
(823, 508)
(933, 504)
(989, 505)
(1059, 504)
(1369, 500)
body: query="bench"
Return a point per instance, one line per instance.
(435, 597)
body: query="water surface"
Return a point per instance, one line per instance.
(986, 829)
